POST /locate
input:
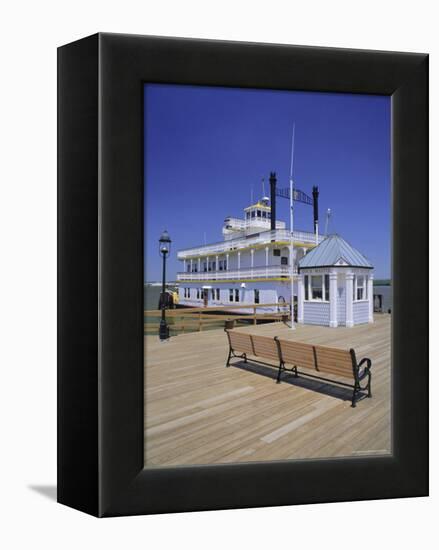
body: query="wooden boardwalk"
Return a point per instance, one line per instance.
(199, 412)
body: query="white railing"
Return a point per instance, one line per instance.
(271, 271)
(235, 223)
(265, 237)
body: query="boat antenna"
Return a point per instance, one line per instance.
(292, 226)
(328, 217)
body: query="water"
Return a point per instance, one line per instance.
(151, 295)
(386, 292)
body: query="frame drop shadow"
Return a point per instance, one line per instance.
(48, 491)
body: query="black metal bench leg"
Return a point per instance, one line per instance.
(295, 372)
(245, 357)
(281, 366)
(369, 386)
(354, 396)
(228, 358)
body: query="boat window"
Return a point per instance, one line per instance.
(248, 215)
(306, 287)
(256, 296)
(231, 295)
(316, 287)
(259, 213)
(276, 252)
(264, 214)
(327, 288)
(213, 294)
(236, 294)
(198, 293)
(204, 266)
(284, 260)
(217, 293)
(253, 213)
(268, 214)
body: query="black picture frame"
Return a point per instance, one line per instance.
(100, 274)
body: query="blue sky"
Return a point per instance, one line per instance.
(207, 147)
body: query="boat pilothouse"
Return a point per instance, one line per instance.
(251, 265)
(257, 218)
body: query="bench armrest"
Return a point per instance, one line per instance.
(366, 369)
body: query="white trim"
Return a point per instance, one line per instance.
(319, 300)
(333, 297)
(349, 299)
(370, 296)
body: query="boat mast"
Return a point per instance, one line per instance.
(328, 216)
(292, 228)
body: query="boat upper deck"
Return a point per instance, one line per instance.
(272, 238)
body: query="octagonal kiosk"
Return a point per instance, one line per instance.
(335, 286)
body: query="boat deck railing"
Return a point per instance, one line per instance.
(262, 238)
(265, 272)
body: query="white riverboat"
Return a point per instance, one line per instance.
(251, 265)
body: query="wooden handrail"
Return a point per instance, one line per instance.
(217, 308)
(193, 317)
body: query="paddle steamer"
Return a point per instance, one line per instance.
(255, 263)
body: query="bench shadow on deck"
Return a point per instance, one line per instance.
(197, 411)
(326, 388)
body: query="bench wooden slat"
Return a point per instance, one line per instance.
(264, 346)
(241, 342)
(327, 362)
(330, 353)
(297, 353)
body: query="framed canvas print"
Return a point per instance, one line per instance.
(241, 322)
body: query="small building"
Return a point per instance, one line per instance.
(335, 286)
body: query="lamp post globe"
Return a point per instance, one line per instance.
(164, 249)
(165, 243)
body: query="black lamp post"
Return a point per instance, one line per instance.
(164, 248)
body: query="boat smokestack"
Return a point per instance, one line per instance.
(315, 196)
(273, 199)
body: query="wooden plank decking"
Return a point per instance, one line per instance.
(199, 412)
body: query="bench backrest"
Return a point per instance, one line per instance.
(323, 359)
(258, 346)
(334, 361)
(297, 354)
(241, 342)
(266, 347)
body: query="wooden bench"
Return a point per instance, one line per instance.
(319, 359)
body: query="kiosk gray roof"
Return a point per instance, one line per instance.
(334, 251)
